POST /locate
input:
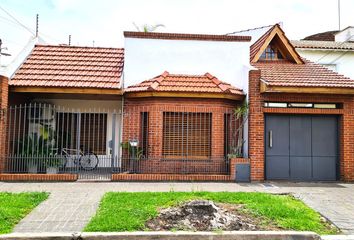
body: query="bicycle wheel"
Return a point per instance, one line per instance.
(89, 161)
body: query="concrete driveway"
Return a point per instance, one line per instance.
(71, 205)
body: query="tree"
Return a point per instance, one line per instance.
(147, 27)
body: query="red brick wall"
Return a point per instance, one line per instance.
(256, 124)
(4, 90)
(156, 107)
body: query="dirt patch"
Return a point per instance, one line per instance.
(204, 215)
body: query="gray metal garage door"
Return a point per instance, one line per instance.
(301, 148)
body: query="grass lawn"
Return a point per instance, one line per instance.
(15, 206)
(122, 211)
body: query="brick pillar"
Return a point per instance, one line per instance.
(347, 142)
(256, 127)
(4, 92)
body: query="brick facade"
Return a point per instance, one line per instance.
(155, 107)
(4, 92)
(256, 124)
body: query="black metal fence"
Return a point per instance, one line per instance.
(44, 138)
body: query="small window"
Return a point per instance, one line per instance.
(326, 105)
(275, 104)
(271, 53)
(144, 135)
(227, 135)
(300, 105)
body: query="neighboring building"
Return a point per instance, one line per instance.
(333, 49)
(179, 95)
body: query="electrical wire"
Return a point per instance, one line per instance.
(17, 21)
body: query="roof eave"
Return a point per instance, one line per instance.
(142, 94)
(65, 90)
(267, 88)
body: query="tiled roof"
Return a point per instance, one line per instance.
(301, 75)
(69, 66)
(185, 36)
(324, 36)
(167, 82)
(323, 45)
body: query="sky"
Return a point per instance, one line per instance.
(101, 22)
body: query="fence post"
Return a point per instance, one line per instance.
(4, 94)
(78, 140)
(113, 146)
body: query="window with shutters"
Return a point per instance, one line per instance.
(187, 135)
(144, 135)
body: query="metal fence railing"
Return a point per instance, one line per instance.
(94, 143)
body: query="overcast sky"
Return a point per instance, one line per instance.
(103, 21)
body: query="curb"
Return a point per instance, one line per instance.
(234, 235)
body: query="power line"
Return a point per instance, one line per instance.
(17, 21)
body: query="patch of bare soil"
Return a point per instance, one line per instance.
(204, 215)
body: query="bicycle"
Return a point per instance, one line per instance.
(87, 160)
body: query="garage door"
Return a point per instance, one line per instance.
(301, 148)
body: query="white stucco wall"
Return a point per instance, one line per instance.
(95, 106)
(147, 58)
(345, 35)
(343, 60)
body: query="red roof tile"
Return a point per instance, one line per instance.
(324, 36)
(167, 82)
(69, 66)
(309, 74)
(323, 45)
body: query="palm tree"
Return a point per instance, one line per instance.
(147, 27)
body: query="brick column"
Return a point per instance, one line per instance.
(4, 92)
(347, 142)
(256, 127)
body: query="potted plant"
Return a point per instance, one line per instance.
(54, 163)
(135, 153)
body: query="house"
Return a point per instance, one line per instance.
(73, 92)
(172, 115)
(333, 49)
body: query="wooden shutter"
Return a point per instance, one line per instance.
(186, 135)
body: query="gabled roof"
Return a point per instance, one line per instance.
(71, 67)
(323, 45)
(287, 74)
(182, 83)
(258, 47)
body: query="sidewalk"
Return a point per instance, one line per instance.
(71, 205)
